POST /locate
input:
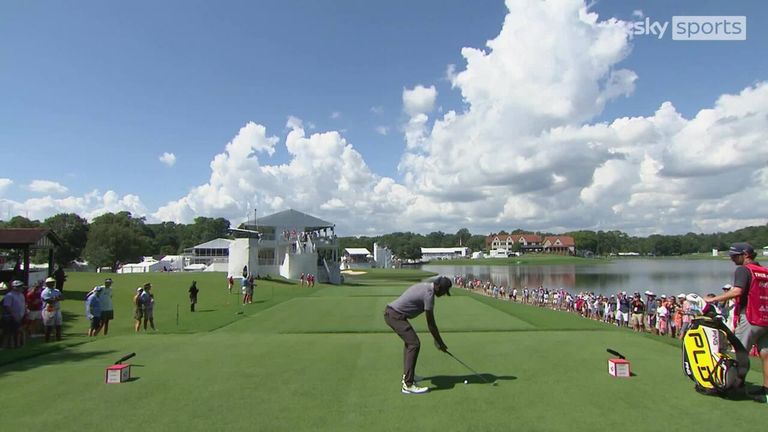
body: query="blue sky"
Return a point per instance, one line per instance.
(92, 95)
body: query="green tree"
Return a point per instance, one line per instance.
(462, 237)
(204, 229)
(20, 222)
(476, 243)
(116, 238)
(436, 239)
(165, 238)
(73, 232)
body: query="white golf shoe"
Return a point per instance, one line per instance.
(413, 389)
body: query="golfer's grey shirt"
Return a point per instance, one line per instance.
(415, 300)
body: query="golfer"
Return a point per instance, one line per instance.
(415, 300)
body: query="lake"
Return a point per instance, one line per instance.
(662, 276)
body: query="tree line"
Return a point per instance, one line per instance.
(115, 238)
(407, 245)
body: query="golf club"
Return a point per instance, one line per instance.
(471, 370)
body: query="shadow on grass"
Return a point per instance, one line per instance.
(280, 281)
(741, 395)
(60, 355)
(447, 382)
(75, 295)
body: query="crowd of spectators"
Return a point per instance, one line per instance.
(662, 315)
(27, 312)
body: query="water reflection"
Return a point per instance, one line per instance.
(631, 275)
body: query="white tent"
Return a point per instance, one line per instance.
(148, 265)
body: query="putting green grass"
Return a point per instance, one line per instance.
(302, 359)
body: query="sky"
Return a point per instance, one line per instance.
(389, 116)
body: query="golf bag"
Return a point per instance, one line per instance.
(713, 358)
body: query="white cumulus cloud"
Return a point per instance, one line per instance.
(168, 159)
(90, 205)
(419, 100)
(47, 187)
(523, 151)
(5, 183)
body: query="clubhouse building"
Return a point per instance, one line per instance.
(531, 243)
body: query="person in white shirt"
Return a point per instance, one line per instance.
(51, 309)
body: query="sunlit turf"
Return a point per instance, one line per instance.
(322, 359)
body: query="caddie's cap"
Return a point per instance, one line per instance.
(444, 283)
(741, 249)
(50, 280)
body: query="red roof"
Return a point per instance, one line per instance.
(529, 238)
(565, 241)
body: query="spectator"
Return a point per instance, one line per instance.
(638, 309)
(60, 277)
(249, 289)
(107, 307)
(148, 300)
(230, 283)
(663, 312)
(688, 313)
(52, 319)
(93, 311)
(138, 308)
(650, 312)
(727, 306)
(34, 311)
(243, 284)
(13, 310)
(622, 316)
(193, 296)
(676, 312)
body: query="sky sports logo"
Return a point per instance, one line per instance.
(694, 28)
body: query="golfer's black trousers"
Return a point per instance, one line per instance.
(402, 327)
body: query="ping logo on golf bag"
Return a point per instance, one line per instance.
(707, 357)
(702, 359)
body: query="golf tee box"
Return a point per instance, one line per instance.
(619, 368)
(118, 373)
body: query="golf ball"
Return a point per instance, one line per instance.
(466, 382)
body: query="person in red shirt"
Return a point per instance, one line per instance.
(34, 324)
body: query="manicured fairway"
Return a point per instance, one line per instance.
(302, 359)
